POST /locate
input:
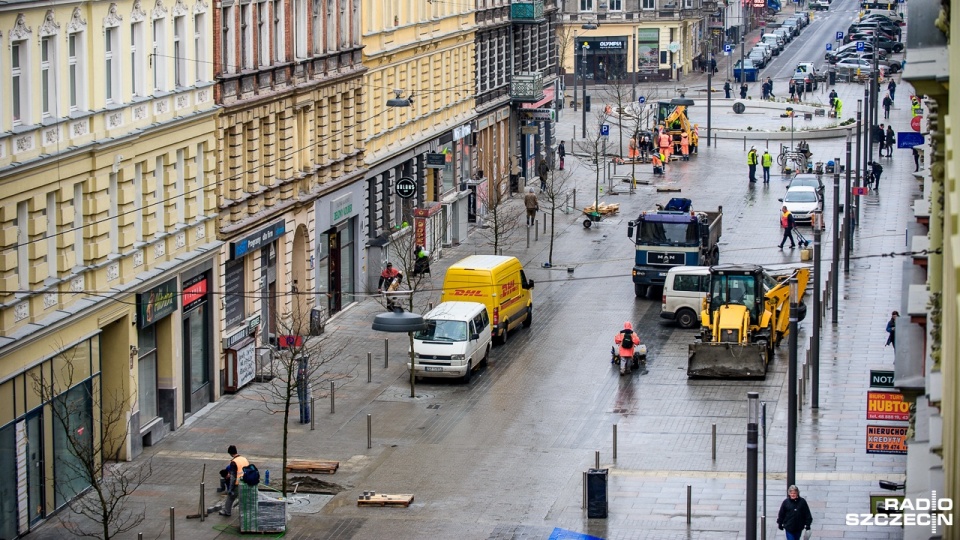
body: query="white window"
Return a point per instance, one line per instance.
(179, 51)
(78, 242)
(648, 4)
(19, 95)
(76, 72)
(586, 5)
(279, 52)
(158, 183)
(136, 60)
(141, 202)
(52, 234)
(317, 17)
(332, 23)
(48, 76)
(158, 55)
(263, 31)
(199, 47)
(178, 189)
(246, 32)
(617, 5)
(114, 213)
(111, 58)
(23, 245)
(300, 15)
(227, 52)
(198, 167)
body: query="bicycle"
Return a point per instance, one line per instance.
(794, 157)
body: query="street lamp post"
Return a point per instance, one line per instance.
(790, 112)
(583, 77)
(753, 418)
(576, 69)
(792, 387)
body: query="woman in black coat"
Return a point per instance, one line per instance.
(794, 514)
(891, 140)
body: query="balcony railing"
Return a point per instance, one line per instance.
(526, 86)
(527, 12)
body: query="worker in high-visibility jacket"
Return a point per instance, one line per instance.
(914, 106)
(685, 146)
(838, 106)
(766, 161)
(657, 163)
(665, 143)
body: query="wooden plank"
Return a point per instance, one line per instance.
(313, 467)
(382, 499)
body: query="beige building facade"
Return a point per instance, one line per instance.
(107, 206)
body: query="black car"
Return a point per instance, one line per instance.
(890, 31)
(883, 42)
(871, 30)
(881, 21)
(867, 49)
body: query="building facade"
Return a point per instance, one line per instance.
(107, 205)
(290, 167)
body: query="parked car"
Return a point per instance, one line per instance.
(758, 57)
(820, 5)
(882, 42)
(854, 64)
(832, 56)
(802, 202)
(888, 27)
(891, 16)
(774, 40)
(784, 34)
(793, 25)
(767, 49)
(808, 74)
(889, 66)
(812, 180)
(750, 71)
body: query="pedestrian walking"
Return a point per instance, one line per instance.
(887, 104)
(713, 65)
(892, 88)
(794, 515)
(561, 153)
(799, 92)
(766, 161)
(543, 170)
(787, 223)
(770, 88)
(743, 90)
(657, 163)
(752, 164)
(644, 147)
(916, 159)
(892, 330)
(665, 144)
(891, 140)
(882, 141)
(531, 203)
(793, 91)
(765, 91)
(234, 472)
(875, 170)
(833, 98)
(727, 89)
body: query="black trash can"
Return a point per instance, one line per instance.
(832, 75)
(597, 493)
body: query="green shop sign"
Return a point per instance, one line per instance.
(157, 303)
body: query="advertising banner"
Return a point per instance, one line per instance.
(887, 440)
(648, 50)
(887, 406)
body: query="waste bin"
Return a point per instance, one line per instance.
(832, 76)
(597, 493)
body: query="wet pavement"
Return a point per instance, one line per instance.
(503, 457)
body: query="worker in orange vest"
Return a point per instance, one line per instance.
(685, 146)
(665, 143)
(657, 163)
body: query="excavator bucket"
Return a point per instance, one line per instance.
(727, 360)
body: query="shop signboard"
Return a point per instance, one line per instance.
(157, 303)
(436, 160)
(246, 364)
(881, 378)
(648, 50)
(194, 292)
(887, 406)
(257, 240)
(887, 439)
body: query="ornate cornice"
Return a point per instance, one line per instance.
(180, 9)
(137, 14)
(159, 12)
(113, 18)
(200, 7)
(77, 22)
(50, 26)
(20, 29)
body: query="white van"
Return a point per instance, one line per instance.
(455, 341)
(683, 293)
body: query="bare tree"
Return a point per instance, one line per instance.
(299, 359)
(594, 147)
(564, 36)
(554, 198)
(619, 91)
(93, 422)
(500, 220)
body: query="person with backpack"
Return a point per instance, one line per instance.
(234, 473)
(892, 330)
(626, 340)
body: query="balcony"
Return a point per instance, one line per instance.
(527, 12)
(526, 87)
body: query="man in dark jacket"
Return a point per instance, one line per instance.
(875, 170)
(726, 89)
(794, 514)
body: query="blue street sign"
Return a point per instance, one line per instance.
(642, 99)
(727, 48)
(829, 46)
(909, 139)
(605, 130)
(859, 46)
(839, 36)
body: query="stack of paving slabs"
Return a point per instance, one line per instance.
(260, 511)
(604, 209)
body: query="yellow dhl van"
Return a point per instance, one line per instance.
(497, 282)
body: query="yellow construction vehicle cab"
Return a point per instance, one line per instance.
(673, 116)
(745, 314)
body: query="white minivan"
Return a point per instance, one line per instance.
(456, 340)
(683, 294)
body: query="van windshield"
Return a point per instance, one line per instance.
(438, 330)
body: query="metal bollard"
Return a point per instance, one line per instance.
(614, 442)
(596, 457)
(369, 431)
(689, 501)
(536, 229)
(369, 367)
(800, 397)
(139, 536)
(313, 413)
(386, 352)
(763, 527)
(528, 233)
(713, 441)
(544, 223)
(744, 143)
(429, 306)
(583, 502)
(332, 390)
(574, 197)
(203, 504)
(173, 524)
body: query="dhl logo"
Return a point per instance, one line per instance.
(508, 289)
(467, 292)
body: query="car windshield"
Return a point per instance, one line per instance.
(804, 182)
(440, 330)
(800, 196)
(659, 233)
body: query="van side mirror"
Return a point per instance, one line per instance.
(781, 200)
(474, 337)
(529, 283)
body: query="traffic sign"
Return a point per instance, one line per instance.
(839, 36)
(406, 187)
(829, 46)
(642, 99)
(909, 139)
(727, 48)
(858, 190)
(859, 46)
(605, 130)
(915, 123)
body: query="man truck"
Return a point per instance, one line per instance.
(674, 235)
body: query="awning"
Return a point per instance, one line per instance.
(548, 97)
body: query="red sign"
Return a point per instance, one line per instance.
(420, 230)
(887, 440)
(194, 292)
(915, 123)
(887, 406)
(859, 191)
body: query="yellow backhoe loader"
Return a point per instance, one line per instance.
(744, 316)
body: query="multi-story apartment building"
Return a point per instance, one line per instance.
(493, 51)
(427, 52)
(107, 210)
(291, 152)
